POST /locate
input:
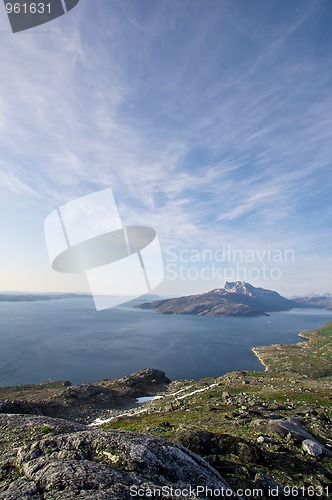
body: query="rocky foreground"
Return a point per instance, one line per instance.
(256, 434)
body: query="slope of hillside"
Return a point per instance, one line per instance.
(235, 299)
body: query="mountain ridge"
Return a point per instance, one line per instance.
(236, 298)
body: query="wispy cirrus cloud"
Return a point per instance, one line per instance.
(204, 119)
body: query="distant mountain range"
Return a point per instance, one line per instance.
(47, 296)
(235, 299)
(323, 301)
(36, 297)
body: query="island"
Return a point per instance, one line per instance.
(234, 299)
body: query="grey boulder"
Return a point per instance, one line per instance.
(100, 464)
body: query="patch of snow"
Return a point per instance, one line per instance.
(100, 421)
(144, 399)
(197, 390)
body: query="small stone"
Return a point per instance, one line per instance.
(225, 395)
(276, 407)
(312, 448)
(265, 439)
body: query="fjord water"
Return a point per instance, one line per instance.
(66, 339)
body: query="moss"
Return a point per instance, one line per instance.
(46, 429)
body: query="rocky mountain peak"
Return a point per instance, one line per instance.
(239, 287)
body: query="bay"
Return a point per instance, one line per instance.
(67, 339)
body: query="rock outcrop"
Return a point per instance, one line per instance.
(47, 408)
(148, 377)
(82, 402)
(99, 465)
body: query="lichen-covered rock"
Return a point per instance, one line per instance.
(201, 442)
(47, 408)
(293, 427)
(97, 464)
(148, 376)
(206, 443)
(94, 393)
(268, 486)
(13, 424)
(312, 448)
(23, 489)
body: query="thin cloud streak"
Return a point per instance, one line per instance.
(208, 138)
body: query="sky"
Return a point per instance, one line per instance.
(210, 120)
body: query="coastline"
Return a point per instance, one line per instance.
(255, 350)
(260, 350)
(311, 357)
(225, 351)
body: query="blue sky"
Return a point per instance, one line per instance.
(211, 120)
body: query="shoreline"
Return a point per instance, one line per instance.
(310, 357)
(258, 354)
(260, 359)
(215, 362)
(259, 351)
(256, 350)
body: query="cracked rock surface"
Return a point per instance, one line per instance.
(98, 464)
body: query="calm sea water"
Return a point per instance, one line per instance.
(68, 339)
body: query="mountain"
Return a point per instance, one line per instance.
(323, 301)
(235, 299)
(35, 297)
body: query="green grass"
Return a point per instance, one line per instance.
(45, 429)
(31, 390)
(312, 358)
